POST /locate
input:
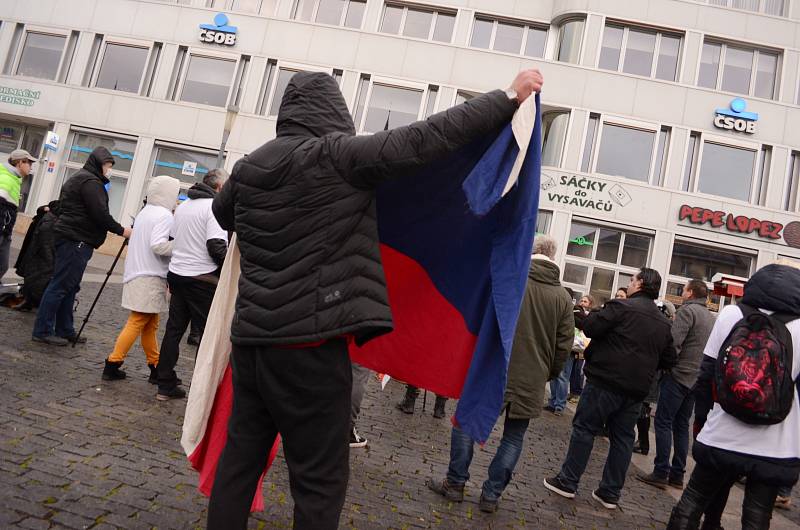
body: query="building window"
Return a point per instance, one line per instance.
(275, 81)
(768, 7)
(555, 124)
(544, 218)
(738, 69)
(389, 106)
(189, 165)
(570, 37)
(418, 22)
(691, 260)
(626, 150)
(245, 6)
(347, 13)
(510, 37)
(81, 144)
(208, 80)
(726, 171)
(41, 55)
(790, 196)
(602, 259)
(122, 67)
(643, 52)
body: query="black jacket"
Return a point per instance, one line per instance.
(631, 339)
(84, 203)
(774, 288)
(36, 260)
(303, 207)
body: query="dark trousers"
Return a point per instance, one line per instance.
(674, 410)
(303, 394)
(643, 427)
(191, 299)
(55, 309)
(596, 408)
(715, 472)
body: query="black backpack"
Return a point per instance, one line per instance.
(753, 380)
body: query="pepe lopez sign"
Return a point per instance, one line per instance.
(742, 224)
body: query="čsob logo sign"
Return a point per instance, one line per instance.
(736, 118)
(219, 32)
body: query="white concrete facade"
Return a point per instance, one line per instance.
(153, 119)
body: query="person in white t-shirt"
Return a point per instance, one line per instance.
(728, 448)
(198, 250)
(144, 291)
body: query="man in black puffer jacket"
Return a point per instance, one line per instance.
(631, 340)
(81, 227)
(303, 208)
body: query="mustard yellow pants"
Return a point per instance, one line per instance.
(144, 324)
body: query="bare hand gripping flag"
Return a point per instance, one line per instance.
(456, 242)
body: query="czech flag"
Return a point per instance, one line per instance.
(456, 242)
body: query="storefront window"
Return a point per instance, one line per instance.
(81, 144)
(602, 259)
(694, 261)
(187, 165)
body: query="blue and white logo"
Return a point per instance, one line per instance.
(219, 32)
(736, 118)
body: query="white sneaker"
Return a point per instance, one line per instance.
(356, 440)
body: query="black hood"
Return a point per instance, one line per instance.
(201, 191)
(774, 287)
(94, 164)
(313, 106)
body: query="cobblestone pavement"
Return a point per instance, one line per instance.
(78, 452)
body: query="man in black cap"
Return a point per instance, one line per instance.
(81, 228)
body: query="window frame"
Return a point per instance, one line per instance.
(423, 88)
(592, 262)
(342, 17)
(68, 164)
(791, 192)
(526, 26)
(561, 27)
(433, 10)
(163, 144)
(724, 45)
(42, 31)
(207, 54)
(122, 41)
(660, 33)
(761, 8)
(694, 175)
(627, 124)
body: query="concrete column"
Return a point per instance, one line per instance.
(575, 140)
(138, 178)
(692, 48)
(677, 151)
(591, 39)
(776, 180)
(660, 257)
(164, 71)
(463, 26)
(791, 75)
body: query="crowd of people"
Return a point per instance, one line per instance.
(616, 361)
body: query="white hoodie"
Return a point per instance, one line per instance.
(149, 247)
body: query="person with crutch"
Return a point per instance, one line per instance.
(81, 228)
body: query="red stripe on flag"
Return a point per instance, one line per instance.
(430, 346)
(206, 455)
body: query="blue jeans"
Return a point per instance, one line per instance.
(55, 310)
(559, 388)
(675, 405)
(597, 407)
(503, 463)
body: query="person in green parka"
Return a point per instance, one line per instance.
(11, 175)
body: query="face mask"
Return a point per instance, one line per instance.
(107, 186)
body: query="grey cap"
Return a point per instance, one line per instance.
(21, 154)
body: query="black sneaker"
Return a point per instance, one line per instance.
(174, 393)
(52, 340)
(556, 486)
(356, 440)
(487, 505)
(653, 480)
(193, 340)
(549, 408)
(75, 339)
(675, 483)
(607, 503)
(451, 492)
